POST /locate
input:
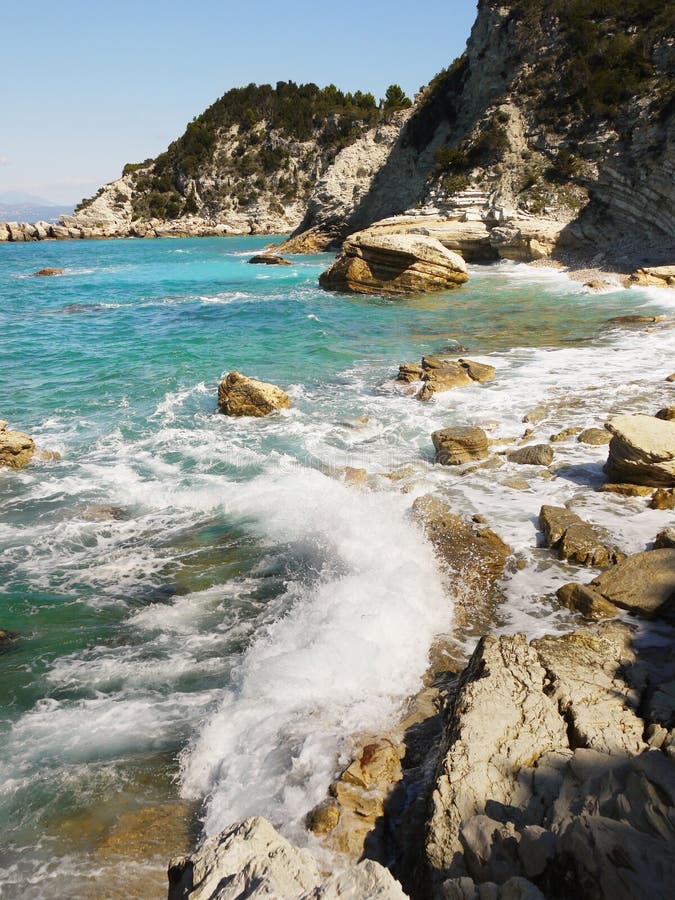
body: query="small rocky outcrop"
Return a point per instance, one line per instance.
(394, 265)
(532, 455)
(251, 859)
(643, 583)
(642, 451)
(663, 499)
(576, 540)
(667, 413)
(242, 396)
(459, 444)
(16, 448)
(269, 259)
(48, 272)
(437, 375)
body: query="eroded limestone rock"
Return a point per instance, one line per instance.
(532, 455)
(459, 444)
(242, 396)
(576, 540)
(642, 451)
(16, 448)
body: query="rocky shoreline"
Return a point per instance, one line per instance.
(540, 770)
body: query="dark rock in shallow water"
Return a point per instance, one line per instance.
(269, 259)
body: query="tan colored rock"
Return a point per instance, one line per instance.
(394, 264)
(459, 444)
(242, 396)
(532, 455)
(554, 522)
(670, 378)
(644, 583)
(654, 276)
(48, 271)
(663, 499)
(583, 599)
(576, 540)
(596, 437)
(324, 817)
(16, 449)
(667, 413)
(635, 320)
(534, 416)
(626, 490)
(516, 483)
(355, 477)
(470, 239)
(314, 240)
(438, 375)
(269, 259)
(564, 435)
(642, 451)
(474, 553)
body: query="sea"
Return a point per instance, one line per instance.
(208, 611)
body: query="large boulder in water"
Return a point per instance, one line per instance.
(16, 448)
(242, 396)
(459, 444)
(642, 451)
(394, 264)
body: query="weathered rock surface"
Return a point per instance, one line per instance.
(242, 396)
(665, 538)
(546, 776)
(532, 455)
(654, 276)
(585, 600)
(459, 444)
(642, 451)
(663, 499)
(576, 540)
(474, 554)
(16, 448)
(269, 259)
(438, 375)
(667, 413)
(596, 437)
(394, 264)
(252, 860)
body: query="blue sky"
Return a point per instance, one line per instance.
(90, 85)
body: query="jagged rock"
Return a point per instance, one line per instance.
(48, 271)
(459, 444)
(596, 437)
(468, 549)
(576, 540)
(642, 451)
(586, 601)
(667, 413)
(644, 583)
(269, 259)
(626, 490)
(532, 455)
(663, 499)
(324, 817)
(313, 240)
(242, 396)
(394, 264)
(252, 860)
(16, 449)
(466, 889)
(665, 538)
(670, 378)
(439, 375)
(654, 276)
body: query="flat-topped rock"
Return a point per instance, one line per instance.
(532, 455)
(596, 437)
(576, 540)
(438, 375)
(642, 450)
(48, 271)
(644, 583)
(242, 396)
(654, 276)
(459, 444)
(394, 264)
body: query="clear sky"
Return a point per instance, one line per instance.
(89, 85)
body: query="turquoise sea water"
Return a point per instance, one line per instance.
(204, 609)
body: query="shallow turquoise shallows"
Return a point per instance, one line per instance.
(204, 608)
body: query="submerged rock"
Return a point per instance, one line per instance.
(251, 859)
(16, 448)
(394, 264)
(438, 375)
(48, 271)
(459, 444)
(642, 451)
(242, 396)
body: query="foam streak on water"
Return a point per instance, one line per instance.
(205, 609)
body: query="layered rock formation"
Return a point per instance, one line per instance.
(394, 264)
(16, 448)
(642, 451)
(436, 375)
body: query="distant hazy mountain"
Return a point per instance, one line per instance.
(21, 207)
